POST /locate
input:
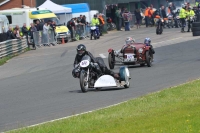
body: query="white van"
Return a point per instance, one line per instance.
(19, 16)
(4, 23)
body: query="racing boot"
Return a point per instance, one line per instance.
(115, 75)
(188, 30)
(182, 30)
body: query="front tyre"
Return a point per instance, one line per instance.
(111, 61)
(83, 81)
(148, 59)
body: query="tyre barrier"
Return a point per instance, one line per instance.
(13, 46)
(196, 28)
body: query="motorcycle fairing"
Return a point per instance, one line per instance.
(105, 81)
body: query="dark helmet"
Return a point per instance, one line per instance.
(95, 16)
(81, 49)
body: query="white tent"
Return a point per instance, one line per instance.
(58, 10)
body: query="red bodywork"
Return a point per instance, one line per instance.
(128, 48)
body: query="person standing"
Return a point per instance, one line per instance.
(151, 17)
(25, 32)
(71, 27)
(9, 32)
(32, 30)
(102, 22)
(138, 17)
(146, 14)
(189, 15)
(45, 34)
(182, 15)
(126, 16)
(119, 19)
(18, 31)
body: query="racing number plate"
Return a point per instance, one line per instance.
(130, 57)
(84, 63)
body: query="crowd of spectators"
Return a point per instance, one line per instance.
(43, 27)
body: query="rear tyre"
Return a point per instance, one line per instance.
(196, 24)
(83, 81)
(194, 29)
(196, 33)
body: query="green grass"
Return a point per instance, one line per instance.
(7, 58)
(173, 110)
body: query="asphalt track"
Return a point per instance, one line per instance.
(38, 86)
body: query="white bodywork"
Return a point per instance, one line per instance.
(105, 81)
(18, 16)
(4, 23)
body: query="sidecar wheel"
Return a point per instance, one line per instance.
(127, 84)
(124, 76)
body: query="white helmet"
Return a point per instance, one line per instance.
(129, 40)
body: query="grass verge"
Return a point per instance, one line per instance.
(5, 59)
(173, 110)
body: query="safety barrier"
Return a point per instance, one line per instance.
(132, 21)
(81, 32)
(40, 38)
(13, 46)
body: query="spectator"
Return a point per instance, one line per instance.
(53, 27)
(18, 31)
(146, 14)
(37, 25)
(102, 22)
(45, 34)
(14, 35)
(41, 24)
(83, 21)
(138, 17)
(126, 16)
(71, 27)
(25, 32)
(9, 32)
(32, 30)
(151, 18)
(119, 19)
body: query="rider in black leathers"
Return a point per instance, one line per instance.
(100, 66)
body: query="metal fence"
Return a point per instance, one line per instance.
(43, 38)
(12, 46)
(132, 21)
(81, 32)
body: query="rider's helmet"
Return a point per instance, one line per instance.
(189, 8)
(81, 49)
(95, 16)
(147, 41)
(129, 40)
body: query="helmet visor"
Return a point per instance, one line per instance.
(128, 42)
(80, 52)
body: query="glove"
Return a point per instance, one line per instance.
(117, 52)
(76, 65)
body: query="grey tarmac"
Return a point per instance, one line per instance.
(38, 86)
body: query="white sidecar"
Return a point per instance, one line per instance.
(109, 81)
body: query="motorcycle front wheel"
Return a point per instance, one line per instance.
(83, 81)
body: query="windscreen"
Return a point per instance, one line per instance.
(86, 57)
(56, 20)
